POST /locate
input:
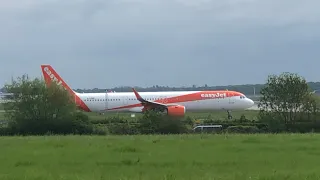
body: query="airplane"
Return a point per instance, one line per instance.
(5, 96)
(172, 103)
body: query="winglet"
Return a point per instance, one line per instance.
(139, 98)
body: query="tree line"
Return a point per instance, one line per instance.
(287, 104)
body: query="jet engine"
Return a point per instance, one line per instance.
(176, 110)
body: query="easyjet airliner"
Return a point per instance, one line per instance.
(173, 103)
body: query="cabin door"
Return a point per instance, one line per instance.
(106, 101)
(125, 100)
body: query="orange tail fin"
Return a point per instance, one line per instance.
(50, 75)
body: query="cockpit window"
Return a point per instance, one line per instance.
(242, 97)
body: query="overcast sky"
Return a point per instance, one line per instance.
(107, 43)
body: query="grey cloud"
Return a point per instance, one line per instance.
(95, 43)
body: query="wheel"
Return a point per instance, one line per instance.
(229, 115)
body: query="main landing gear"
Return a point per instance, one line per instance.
(229, 114)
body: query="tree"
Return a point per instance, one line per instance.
(286, 98)
(313, 107)
(317, 100)
(37, 109)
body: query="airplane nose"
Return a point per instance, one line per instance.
(250, 102)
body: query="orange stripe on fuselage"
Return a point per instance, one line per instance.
(203, 95)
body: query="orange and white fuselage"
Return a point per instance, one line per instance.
(192, 100)
(173, 102)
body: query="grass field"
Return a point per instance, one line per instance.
(227, 157)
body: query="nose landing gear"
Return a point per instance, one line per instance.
(229, 114)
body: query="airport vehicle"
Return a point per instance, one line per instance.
(173, 103)
(5, 97)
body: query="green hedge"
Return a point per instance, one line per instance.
(242, 129)
(303, 127)
(154, 124)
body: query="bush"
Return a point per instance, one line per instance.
(81, 124)
(100, 130)
(242, 129)
(153, 122)
(123, 128)
(303, 127)
(113, 119)
(303, 124)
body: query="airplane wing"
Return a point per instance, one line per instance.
(150, 104)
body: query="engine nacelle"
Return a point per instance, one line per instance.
(176, 110)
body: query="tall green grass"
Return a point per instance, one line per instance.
(227, 157)
(216, 115)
